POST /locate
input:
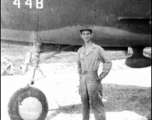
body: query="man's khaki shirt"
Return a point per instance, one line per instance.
(90, 62)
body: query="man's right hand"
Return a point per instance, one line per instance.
(80, 76)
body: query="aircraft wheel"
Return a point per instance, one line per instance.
(28, 103)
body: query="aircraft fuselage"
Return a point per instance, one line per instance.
(58, 21)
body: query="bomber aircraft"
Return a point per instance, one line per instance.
(117, 25)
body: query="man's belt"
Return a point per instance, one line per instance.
(84, 72)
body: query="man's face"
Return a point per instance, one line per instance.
(86, 36)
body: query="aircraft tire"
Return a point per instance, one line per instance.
(24, 94)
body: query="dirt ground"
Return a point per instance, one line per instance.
(126, 94)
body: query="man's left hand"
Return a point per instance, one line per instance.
(99, 79)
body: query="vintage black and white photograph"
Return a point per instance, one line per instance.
(75, 59)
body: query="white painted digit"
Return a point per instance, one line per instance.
(29, 2)
(39, 4)
(17, 2)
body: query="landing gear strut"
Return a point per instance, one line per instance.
(36, 62)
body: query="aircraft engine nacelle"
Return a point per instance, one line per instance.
(138, 60)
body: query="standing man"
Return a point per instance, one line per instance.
(89, 57)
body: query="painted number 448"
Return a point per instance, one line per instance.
(39, 3)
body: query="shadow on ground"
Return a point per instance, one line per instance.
(118, 98)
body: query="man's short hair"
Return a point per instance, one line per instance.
(85, 28)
